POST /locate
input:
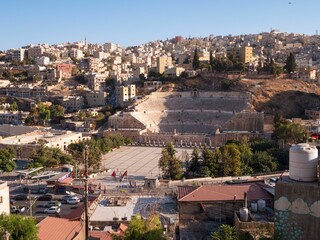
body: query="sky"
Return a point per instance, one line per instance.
(133, 22)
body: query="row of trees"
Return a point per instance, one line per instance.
(44, 156)
(231, 63)
(232, 159)
(42, 113)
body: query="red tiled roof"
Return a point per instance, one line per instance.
(226, 193)
(101, 235)
(185, 190)
(52, 228)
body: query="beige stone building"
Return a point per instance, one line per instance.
(163, 62)
(246, 54)
(4, 198)
(125, 93)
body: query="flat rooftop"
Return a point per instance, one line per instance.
(132, 205)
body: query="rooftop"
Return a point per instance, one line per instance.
(226, 193)
(52, 228)
(111, 208)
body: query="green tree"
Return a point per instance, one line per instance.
(210, 164)
(48, 157)
(291, 64)
(169, 164)
(231, 160)
(195, 163)
(245, 155)
(143, 229)
(14, 106)
(6, 160)
(263, 162)
(56, 113)
(196, 62)
(225, 232)
(20, 227)
(289, 132)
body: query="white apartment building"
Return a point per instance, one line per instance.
(43, 60)
(4, 198)
(125, 94)
(96, 81)
(100, 55)
(76, 53)
(110, 47)
(19, 55)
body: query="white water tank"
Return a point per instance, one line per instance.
(254, 207)
(303, 161)
(244, 214)
(261, 205)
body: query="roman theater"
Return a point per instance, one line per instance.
(189, 118)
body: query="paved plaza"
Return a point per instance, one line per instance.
(138, 161)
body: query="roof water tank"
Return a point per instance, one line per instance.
(261, 205)
(244, 214)
(303, 161)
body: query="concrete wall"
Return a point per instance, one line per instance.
(297, 210)
(12, 130)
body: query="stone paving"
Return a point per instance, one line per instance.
(138, 161)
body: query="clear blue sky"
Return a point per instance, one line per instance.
(132, 22)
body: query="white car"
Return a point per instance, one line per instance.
(52, 203)
(73, 200)
(53, 209)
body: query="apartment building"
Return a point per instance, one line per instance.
(72, 103)
(174, 71)
(43, 60)
(110, 47)
(76, 53)
(163, 62)
(246, 54)
(96, 81)
(19, 55)
(64, 70)
(4, 198)
(12, 117)
(96, 98)
(35, 51)
(125, 94)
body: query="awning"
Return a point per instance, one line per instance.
(66, 181)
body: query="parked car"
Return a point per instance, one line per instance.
(17, 209)
(65, 198)
(73, 200)
(46, 197)
(52, 203)
(43, 190)
(21, 197)
(53, 209)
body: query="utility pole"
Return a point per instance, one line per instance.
(86, 148)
